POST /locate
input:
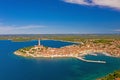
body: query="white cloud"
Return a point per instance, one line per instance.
(12, 29)
(117, 30)
(105, 3)
(77, 2)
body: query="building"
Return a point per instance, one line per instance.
(39, 42)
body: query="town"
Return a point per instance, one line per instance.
(108, 47)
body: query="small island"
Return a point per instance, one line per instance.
(108, 47)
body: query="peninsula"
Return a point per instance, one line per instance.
(109, 47)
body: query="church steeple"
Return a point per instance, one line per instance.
(39, 42)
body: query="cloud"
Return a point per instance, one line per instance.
(27, 29)
(82, 2)
(117, 30)
(104, 3)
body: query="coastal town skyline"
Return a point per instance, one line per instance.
(59, 16)
(108, 47)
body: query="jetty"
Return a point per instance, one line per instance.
(80, 58)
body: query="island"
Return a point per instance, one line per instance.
(109, 47)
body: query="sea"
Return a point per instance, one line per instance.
(13, 67)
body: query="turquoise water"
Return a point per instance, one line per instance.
(14, 67)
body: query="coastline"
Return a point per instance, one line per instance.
(75, 51)
(66, 56)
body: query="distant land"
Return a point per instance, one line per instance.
(65, 37)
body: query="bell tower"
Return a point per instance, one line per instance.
(39, 42)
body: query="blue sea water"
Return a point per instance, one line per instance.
(14, 67)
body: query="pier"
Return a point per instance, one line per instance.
(80, 58)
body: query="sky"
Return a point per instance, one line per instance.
(59, 16)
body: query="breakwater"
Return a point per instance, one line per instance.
(80, 58)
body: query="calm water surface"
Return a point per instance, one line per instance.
(14, 67)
